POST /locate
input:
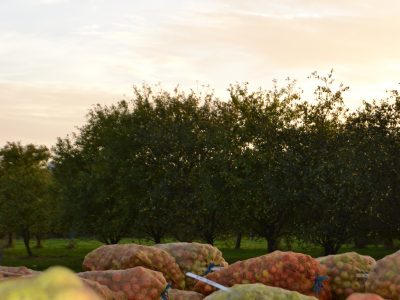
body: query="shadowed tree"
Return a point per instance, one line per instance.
(25, 180)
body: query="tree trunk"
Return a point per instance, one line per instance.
(209, 237)
(330, 248)
(238, 240)
(209, 227)
(272, 244)
(360, 242)
(26, 237)
(38, 241)
(10, 241)
(210, 240)
(108, 240)
(114, 240)
(156, 233)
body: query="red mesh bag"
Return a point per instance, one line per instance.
(118, 257)
(136, 283)
(103, 291)
(194, 257)
(10, 272)
(287, 270)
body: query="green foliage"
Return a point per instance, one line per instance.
(26, 206)
(376, 143)
(327, 210)
(267, 121)
(265, 162)
(94, 178)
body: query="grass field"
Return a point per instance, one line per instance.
(55, 252)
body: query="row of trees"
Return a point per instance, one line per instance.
(190, 166)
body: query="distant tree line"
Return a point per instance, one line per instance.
(190, 166)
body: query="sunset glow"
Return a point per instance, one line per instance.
(60, 57)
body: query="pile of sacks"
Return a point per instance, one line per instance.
(119, 257)
(287, 270)
(135, 272)
(195, 258)
(172, 260)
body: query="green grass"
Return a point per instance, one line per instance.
(55, 252)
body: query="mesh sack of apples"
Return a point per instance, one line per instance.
(103, 291)
(384, 278)
(363, 296)
(136, 283)
(257, 291)
(118, 257)
(174, 294)
(194, 257)
(11, 272)
(56, 283)
(347, 273)
(287, 270)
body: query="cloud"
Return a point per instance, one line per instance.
(50, 1)
(39, 113)
(48, 52)
(259, 40)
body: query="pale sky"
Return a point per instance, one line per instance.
(60, 57)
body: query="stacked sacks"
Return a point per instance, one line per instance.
(347, 272)
(194, 257)
(288, 270)
(118, 257)
(136, 283)
(56, 283)
(257, 291)
(174, 294)
(384, 279)
(359, 296)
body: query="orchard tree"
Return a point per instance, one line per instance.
(328, 211)
(268, 122)
(178, 156)
(376, 130)
(97, 184)
(165, 157)
(25, 201)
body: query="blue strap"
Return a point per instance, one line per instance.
(209, 268)
(164, 294)
(319, 284)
